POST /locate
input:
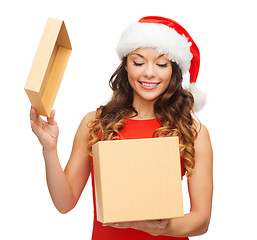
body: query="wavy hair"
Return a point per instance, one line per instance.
(173, 110)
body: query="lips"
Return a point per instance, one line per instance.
(148, 85)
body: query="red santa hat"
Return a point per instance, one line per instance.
(170, 38)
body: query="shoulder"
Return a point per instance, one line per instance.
(83, 128)
(89, 117)
(203, 140)
(201, 129)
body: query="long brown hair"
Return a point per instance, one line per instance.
(172, 109)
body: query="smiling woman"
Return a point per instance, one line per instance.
(149, 73)
(148, 101)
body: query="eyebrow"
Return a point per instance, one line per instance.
(144, 57)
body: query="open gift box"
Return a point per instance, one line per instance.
(48, 66)
(138, 179)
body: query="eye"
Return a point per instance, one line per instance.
(163, 65)
(138, 64)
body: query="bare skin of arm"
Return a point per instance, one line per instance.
(65, 186)
(200, 186)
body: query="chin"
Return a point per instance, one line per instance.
(150, 98)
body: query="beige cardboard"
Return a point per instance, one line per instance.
(48, 66)
(137, 179)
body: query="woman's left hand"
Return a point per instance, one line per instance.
(153, 227)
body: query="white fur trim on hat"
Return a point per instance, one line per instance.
(199, 97)
(165, 39)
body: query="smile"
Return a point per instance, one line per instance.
(148, 85)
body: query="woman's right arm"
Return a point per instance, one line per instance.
(66, 186)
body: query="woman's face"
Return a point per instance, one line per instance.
(149, 73)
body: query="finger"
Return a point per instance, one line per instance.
(122, 225)
(155, 224)
(119, 225)
(36, 117)
(166, 221)
(163, 223)
(33, 115)
(34, 127)
(50, 119)
(111, 224)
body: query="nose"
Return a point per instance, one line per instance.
(149, 71)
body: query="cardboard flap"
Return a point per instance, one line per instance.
(48, 66)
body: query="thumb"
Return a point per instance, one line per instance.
(50, 119)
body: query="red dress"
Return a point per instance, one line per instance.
(134, 129)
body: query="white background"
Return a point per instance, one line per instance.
(225, 32)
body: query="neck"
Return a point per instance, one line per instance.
(145, 109)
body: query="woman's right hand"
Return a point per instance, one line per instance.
(46, 131)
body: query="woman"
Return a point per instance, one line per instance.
(148, 101)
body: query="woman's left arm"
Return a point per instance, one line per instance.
(200, 186)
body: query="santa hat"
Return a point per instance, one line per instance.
(170, 38)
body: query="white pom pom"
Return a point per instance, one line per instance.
(199, 97)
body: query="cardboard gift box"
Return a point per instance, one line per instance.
(137, 179)
(48, 66)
